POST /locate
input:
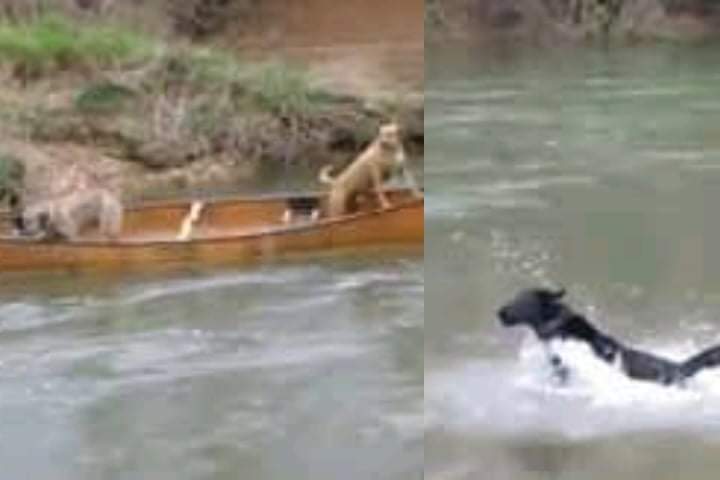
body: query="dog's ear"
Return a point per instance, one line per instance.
(558, 294)
(552, 296)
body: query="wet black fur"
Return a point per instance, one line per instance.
(545, 313)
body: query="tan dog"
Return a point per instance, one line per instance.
(65, 217)
(370, 170)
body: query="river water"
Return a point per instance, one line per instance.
(598, 170)
(303, 371)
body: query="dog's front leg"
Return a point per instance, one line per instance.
(560, 372)
(411, 182)
(377, 181)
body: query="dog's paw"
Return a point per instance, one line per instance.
(560, 374)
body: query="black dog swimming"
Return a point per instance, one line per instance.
(550, 318)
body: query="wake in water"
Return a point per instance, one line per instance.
(519, 397)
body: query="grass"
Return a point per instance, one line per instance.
(104, 97)
(229, 92)
(52, 42)
(281, 88)
(268, 86)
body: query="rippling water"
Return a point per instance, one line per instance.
(598, 170)
(308, 371)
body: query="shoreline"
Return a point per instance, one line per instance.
(550, 24)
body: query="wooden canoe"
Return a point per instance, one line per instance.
(227, 231)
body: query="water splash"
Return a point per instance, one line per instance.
(517, 397)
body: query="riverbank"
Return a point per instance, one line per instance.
(553, 22)
(164, 104)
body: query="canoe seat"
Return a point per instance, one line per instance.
(188, 223)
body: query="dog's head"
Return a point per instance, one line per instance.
(390, 134)
(537, 308)
(390, 139)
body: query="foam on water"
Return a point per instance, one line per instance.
(517, 397)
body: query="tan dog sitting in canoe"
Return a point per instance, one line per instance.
(65, 217)
(367, 174)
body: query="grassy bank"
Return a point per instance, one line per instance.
(197, 112)
(50, 43)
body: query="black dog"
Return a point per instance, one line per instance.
(544, 312)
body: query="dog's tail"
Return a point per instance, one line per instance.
(325, 176)
(706, 359)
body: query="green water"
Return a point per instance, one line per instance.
(307, 371)
(598, 170)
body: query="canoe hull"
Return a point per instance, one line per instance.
(401, 226)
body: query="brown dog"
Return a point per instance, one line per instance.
(370, 170)
(65, 217)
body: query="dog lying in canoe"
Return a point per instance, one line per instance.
(545, 313)
(65, 217)
(367, 174)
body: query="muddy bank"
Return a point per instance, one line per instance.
(329, 22)
(211, 103)
(552, 22)
(359, 46)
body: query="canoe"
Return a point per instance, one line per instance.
(225, 231)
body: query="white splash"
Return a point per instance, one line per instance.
(517, 397)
